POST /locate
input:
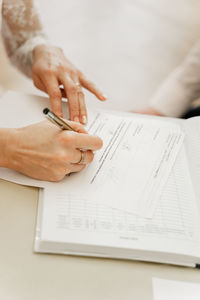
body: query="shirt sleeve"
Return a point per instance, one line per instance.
(22, 32)
(181, 87)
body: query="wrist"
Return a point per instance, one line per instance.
(7, 147)
(45, 49)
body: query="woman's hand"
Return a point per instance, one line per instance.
(45, 152)
(50, 70)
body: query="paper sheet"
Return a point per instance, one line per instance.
(174, 228)
(136, 159)
(131, 169)
(175, 290)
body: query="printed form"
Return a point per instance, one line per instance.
(131, 169)
(174, 228)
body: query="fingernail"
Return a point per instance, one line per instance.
(76, 119)
(104, 97)
(84, 120)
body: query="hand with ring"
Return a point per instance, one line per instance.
(43, 151)
(82, 160)
(50, 70)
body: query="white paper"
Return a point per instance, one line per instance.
(136, 159)
(16, 177)
(175, 290)
(131, 169)
(71, 218)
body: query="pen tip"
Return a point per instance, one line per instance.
(45, 111)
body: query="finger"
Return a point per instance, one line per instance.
(72, 95)
(82, 108)
(77, 156)
(38, 83)
(85, 157)
(53, 90)
(90, 86)
(76, 168)
(76, 126)
(81, 99)
(82, 140)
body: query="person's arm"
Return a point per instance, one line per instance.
(4, 142)
(29, 50)
(176, 94)
(43, 151)
(22, 32)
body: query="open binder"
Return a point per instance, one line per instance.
(75, 226)
(70, 223)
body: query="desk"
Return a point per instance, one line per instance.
(26, 275)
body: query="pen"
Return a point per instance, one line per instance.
(57, 120)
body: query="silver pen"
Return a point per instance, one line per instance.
(57, 120)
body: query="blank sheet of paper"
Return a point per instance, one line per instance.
(175, 290)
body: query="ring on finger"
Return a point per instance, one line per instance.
(78, 84)
(83, 158)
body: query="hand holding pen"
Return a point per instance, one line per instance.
(65, 125)
(44, 152)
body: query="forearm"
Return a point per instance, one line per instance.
(22, 32)
(5, 145)
(180, 88)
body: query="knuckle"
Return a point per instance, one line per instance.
(58, 177)
(63, 68)
(55, 179)
(56, 174)
(62, 157)
(55, 93)
(73, 89)
(73, 72)
(50, 71)
(81, 94)
(68, 138)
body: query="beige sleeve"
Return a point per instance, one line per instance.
(22, 32)
(181, 87)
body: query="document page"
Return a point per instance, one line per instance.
(130, 171)
(68, 218)
(192, 139)
(175, 290)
